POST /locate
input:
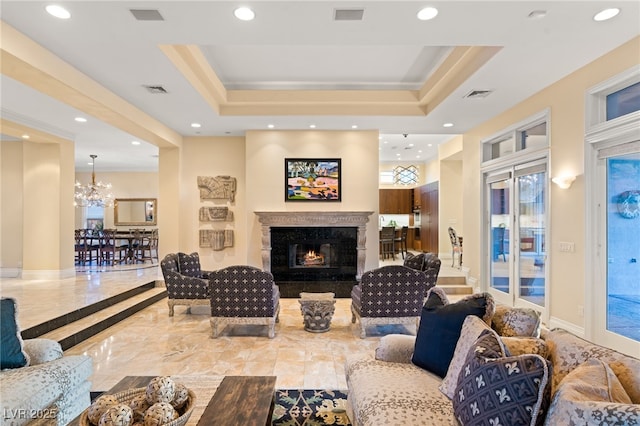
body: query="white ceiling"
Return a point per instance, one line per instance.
(298, 45)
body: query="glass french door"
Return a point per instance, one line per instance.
(621, 301)
(516, 234)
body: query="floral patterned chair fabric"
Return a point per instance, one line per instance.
(185, 286)
(243, 295)
(391, 294)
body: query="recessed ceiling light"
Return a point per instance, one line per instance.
(427, 13)
(397, 154)
(447, 125)
(244, 14)
(90, 163)
(271, 126)
(417, 156)
(430, 145)
(355, 126)
(410, 144)
(385, 142)
(196, 125)
(80, 119)
(606, 14)
(312, 126)
(537, 14)
(135, 143)
(420, 151)
(58, 11)
(25, 136)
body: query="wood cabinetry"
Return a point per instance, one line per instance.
(416, 198)
(395, 201)
(429, 217)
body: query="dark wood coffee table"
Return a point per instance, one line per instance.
(241, 401)
(237, 401)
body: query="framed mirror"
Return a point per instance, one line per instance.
(135, 211)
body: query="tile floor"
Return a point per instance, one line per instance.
(152, 343)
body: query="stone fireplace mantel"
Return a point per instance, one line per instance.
(328, 218)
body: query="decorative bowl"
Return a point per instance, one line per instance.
(126, 397)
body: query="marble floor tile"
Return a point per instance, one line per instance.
(152, 343)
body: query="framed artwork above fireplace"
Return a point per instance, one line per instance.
(312, 179)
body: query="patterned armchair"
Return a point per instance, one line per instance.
(391, 294)
(243, 295)
(428, 263)
(186, 283)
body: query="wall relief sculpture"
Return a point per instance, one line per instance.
(216, 214)
(216, 239)
(218, 187)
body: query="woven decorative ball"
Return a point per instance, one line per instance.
(159, 414)
(161, 389)
(181, 396)
(118, 415)
(99, 406)
(139, 405)
(180, 417)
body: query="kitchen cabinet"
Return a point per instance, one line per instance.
(416, 198)
(429, 221)
(395, 201)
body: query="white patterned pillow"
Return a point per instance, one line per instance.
(592, 395)
(472, 327)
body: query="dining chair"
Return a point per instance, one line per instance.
(387, 242)
(110, 246)
(83, 247)
(401, 240)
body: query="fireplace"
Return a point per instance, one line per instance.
(314, 251)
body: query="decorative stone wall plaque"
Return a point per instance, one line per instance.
(216, 214)
(216, 239)
(218, 187)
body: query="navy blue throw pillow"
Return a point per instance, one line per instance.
(440, 327)
(12, 354)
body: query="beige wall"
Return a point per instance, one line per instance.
(265, 154)
(566, 101)
(450, 200)
(11, 199)
(211, 156)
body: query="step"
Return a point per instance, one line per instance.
(451, 280)
(68, 318)
(456, 289)
(77, 331)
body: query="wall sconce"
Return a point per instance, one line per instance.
(563, 182)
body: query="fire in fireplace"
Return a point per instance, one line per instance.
(310, 255)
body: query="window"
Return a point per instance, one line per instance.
(405, 175)
(386, 177)
(623, 102)
(527, 136)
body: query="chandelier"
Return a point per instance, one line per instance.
(93, 194)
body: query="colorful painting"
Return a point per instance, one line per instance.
(308, 179)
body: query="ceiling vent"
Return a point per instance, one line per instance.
(348, 14)
(146, 14)
(477, 94)
(156, 89)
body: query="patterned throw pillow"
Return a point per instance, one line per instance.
(497, 390)
(189, 264)
(440, 327)
(414, 261)
(12, 354)
(511, 322)
(472, 328)
(592, 395)
(525, 345)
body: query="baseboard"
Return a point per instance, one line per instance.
(53, 274)
(9, 272)
(570, 327)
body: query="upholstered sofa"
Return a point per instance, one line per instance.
(577, 382)
(53, 389)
